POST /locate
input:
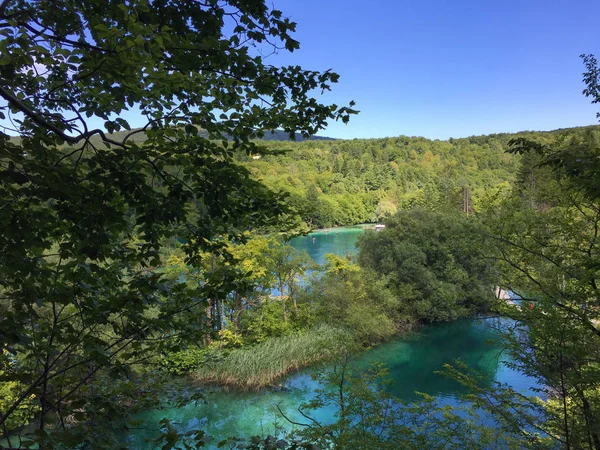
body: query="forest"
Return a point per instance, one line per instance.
(141, 268)
(364, 181)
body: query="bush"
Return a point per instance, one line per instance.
(184, 361)
(10, 391)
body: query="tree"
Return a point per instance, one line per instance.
(549, 255)
(368, 417)
(85, 214)
(288, 265)
(252, 257)
(433, 262)
(356, 300)
(384, 209)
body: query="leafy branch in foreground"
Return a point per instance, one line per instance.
(367, 416)
(84, 215)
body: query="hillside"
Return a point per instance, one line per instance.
(345, 182)
(276, 135)
(341, 182)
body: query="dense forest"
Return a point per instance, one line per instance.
(435, 262)
(360, 181)
(536, 237)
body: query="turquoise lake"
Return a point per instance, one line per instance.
(412, 362)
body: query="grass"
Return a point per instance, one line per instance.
(263, 364)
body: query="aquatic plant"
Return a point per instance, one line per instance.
(263, 364)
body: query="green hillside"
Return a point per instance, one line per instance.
(333, 182)
(345, 182)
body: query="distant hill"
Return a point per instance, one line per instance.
(276, 135)
(343, 182)
(280, 135)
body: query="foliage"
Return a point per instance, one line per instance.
(250, 311)
(348, 297)
(349, 182)
(288, 266)
(367, 417)
(171, 438)
(546, 243)
(432, 262)
(520, 417)
(184, 361)
(266, 321)
(558, 408)
(338, 266)
(10, 392)
(385, 209)
(342, 182)
(551, 255)
(85, 215)
(435, 265)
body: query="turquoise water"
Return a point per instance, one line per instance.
(412, 362)
(341, 241)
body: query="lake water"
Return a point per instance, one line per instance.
(412, 363)
(341, 241)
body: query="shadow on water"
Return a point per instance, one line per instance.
(413, 363)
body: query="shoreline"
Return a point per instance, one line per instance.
(332, 229)
(230, 383)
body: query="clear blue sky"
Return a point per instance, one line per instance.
(441, 68)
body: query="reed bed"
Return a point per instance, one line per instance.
(262, 365)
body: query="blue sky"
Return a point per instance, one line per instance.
(440, 68)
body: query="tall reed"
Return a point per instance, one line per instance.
(263, 364)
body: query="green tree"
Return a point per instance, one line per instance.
(549, 255)
(367, 417)
(289, 266)
(385, 209)
(352, 298)
(84, 214)
(433, 263)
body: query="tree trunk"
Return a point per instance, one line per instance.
(589, 418)
(281, 297)
(238, 311)
(209, 321)
(222, 316)
(292, 294)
